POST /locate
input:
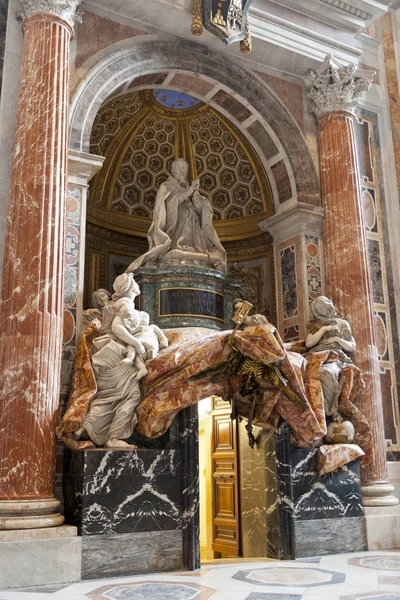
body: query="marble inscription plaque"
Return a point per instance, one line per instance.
(194, 302)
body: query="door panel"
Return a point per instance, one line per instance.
(225, 481)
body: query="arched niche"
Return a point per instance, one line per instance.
(267, 123)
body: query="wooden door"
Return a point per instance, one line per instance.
(225, 481)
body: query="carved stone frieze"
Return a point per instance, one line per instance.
(65, 9)
(336, 87)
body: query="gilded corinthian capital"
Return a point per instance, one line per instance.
(65, 9)
(335, 87)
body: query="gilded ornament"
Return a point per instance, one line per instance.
(197, 19)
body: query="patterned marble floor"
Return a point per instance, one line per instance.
(369, 575)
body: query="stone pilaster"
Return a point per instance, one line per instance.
(33, 273)
(333, 91)
(297, 239)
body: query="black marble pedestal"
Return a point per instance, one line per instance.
(128, 507)
(317, 515)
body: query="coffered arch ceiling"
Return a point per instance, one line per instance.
(140, 134)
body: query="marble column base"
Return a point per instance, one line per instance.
(379, 494)
(14, 535)
(383, 527)
(40, 561)
(30, 514)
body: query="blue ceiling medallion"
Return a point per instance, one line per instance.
(175, 100)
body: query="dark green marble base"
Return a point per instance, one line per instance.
(186, 296)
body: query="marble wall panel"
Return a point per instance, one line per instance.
(131, 553)
(3, 28)
(114, 492)
(96, 33)
(288, 273)
(331, 496)
(392, 82)
(282, 181)
(73, 208)
(330, 536)
(375, 217)
(289, 288)
(38, 561)
(149, 80)
(290, 93)
(326, 508)
(233, 106)
(192, 84)
(263, 139)
(254, 478)
(313, 260)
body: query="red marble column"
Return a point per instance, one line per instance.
(32, 294)
(333, 90)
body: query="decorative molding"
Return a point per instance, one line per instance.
(255, 13)
(67, 10)
(334, 87)
(301, 218)
(319, 16)
(349, 8)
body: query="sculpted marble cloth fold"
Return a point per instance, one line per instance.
(200, 362)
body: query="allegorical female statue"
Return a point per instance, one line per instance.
(182, 226)
(119, 359)
(327, 331)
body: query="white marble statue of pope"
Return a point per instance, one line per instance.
(182, 226)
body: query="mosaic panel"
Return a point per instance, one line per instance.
(288, 276)
(313, 261)
(372, 196)
(73, 203)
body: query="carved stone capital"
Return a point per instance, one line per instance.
(335, 87)
(64, 9)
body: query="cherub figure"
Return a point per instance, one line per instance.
(327, 331)
(127, 321)
(150, 337)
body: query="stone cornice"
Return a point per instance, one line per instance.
(334, 87)
(67, 10)
(301, 218)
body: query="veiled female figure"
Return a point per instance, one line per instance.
(327, 331)
(111, 417)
